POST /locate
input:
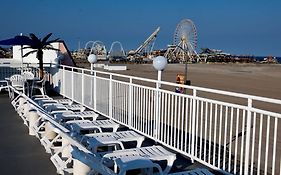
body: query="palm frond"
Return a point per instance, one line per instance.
(34, 46)
(46, 38)
(34, 37)
(49, 47)
(28, 53)
(27, 47)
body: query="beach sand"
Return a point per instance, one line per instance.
(262, 80)
(253, 79)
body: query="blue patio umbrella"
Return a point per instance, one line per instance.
(18, 40)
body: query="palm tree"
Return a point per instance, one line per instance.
(38, 46)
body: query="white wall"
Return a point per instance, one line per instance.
(49, 56)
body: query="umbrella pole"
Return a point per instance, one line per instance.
(21, 53)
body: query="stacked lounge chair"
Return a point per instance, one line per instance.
(61, 127)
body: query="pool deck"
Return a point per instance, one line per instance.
(19, 152)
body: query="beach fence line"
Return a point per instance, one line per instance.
(239, 137)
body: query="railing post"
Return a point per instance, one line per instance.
(110, 96)
(248, 131)
(157, 106)
(63, 80)
(72, 84)
(193, 125)
(95, 91)
(91, 89)
(130, 102)
(83, 77)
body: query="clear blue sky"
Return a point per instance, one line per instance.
(235, 26)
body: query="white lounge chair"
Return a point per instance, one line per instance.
(75, 107)
(16, 102)
(87, 126)
(34, 97)
(80, 109)
(124, 163)
(50, 145)
(66, 116)
(65, 101)
(63, 163)
(53, 105)
(155, 153)
(39, 128)
(22, 107)
(85, 115)
(43, 102)
(88, 115)
(95, 140)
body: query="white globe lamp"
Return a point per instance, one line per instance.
(160, 63)
(92, 58)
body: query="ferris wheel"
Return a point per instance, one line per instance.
(185, 35)
(184, 43)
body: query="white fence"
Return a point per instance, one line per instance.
(9, 68)
(231, 132)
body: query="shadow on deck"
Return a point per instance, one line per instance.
(19, 152)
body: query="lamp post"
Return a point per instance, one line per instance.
(92, 58)
(186, 55)
(186, 81)
(159, 63)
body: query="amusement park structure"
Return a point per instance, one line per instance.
(184, 45)
(146, 47)
(97, 48)
(116, 52)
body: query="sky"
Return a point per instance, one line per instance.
(244, 27)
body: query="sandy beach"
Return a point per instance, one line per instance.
(254, 79)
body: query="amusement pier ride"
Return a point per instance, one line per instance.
(184, 44)
(182, 50)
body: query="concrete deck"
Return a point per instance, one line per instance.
(19, 152)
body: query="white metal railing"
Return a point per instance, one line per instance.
(235, 136)
(9, 68)
(7, 71)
